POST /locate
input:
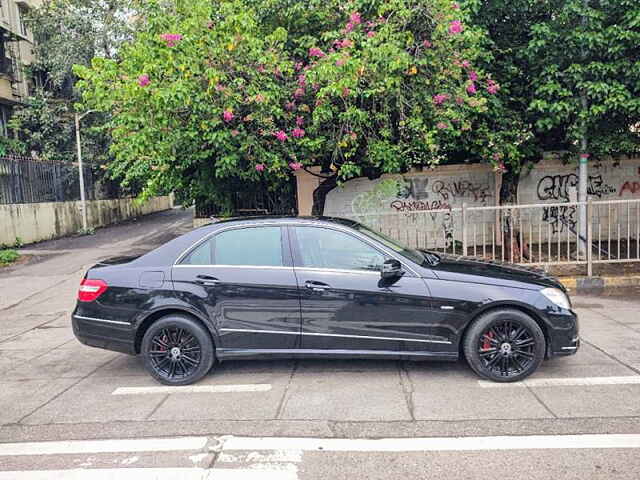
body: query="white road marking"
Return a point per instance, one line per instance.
(103, 446)
(564, 382)
(533, 442)
(150, 474)
(256, 387)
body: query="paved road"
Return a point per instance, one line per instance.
(578, 417)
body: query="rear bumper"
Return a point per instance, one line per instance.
(107, 334)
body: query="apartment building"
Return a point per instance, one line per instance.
(16, 51)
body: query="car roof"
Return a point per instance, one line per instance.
(283, 219)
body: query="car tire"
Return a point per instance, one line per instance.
(177, 350)
(504, 345)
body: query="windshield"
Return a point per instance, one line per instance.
(416, 256)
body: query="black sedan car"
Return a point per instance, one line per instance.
(318, 287)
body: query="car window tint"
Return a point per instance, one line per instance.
(326, 248)
(258, 246)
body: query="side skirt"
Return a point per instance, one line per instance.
(230, 353)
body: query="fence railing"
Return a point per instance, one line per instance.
(580, 233)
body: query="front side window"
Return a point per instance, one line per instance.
(331, 249)
(256, 246)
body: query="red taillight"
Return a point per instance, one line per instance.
(91, 289)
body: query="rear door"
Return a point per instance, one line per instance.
(243, 279)
(345, 303)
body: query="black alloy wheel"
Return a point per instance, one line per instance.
(504, 345)
(177, 350)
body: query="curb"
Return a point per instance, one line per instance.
(598, 284)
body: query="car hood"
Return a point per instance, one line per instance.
(467, 269)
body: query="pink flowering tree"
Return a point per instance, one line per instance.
(250, 92)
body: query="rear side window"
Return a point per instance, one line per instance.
(256, 246)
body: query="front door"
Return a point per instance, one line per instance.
(243, 279)
(345, 303)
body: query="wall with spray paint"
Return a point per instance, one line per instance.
(415, 207)
(551, 181)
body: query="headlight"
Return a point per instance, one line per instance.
(557, 296)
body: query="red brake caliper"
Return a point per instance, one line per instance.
(486, 345)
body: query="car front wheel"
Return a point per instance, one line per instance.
(504, 345)
(177, 350)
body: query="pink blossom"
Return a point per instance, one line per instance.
(298, 66)
(171, 38)
(346, 92)
(455, 5)
(295, 165)
(298, 93)
(355, 18)
(441, 125)
(353, 135)
(316, 52)
(496, 156)
(210, 24)
(459, 100)
(259, 98)
(219, 87)
(492, 87)
(345, 43)
(340, 62)
(473, 75)
(227, 115)
(298, 132)
(261, 69)
(290, 106)
(466, 63)
(427, 44)
(348, 27)
(456, 27)
(281, 136)
(471, 89)
(235, 133)
(371, 34)
(302, 80)
(143, 80)
(440, 98)
(299, 121)
(260, 167)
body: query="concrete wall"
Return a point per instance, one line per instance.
(34, 222)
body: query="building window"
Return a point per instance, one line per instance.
(22, 12)
(5, 113)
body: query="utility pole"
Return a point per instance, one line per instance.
(583, 173)
(83, 197)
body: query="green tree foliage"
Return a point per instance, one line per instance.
(549, 56)
(66, 33)
(210, 93)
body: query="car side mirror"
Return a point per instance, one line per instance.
(391, 268)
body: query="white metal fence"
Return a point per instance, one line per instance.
(534, 234)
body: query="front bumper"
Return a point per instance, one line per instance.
(564, 334)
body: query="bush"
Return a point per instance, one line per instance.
(8, 256)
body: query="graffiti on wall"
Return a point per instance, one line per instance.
(563, 188)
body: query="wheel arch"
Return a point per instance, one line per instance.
(152, 317)
(506, 306)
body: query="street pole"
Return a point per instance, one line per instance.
(83, 198)
(583, 173)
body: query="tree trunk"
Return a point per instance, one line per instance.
(320, 194)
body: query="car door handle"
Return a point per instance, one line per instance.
(316, 286)
(207, 280)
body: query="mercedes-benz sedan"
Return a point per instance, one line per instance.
(318, 287)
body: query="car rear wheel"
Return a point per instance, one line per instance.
(177, 350)
(504, 345)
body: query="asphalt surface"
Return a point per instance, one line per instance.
(577, 417)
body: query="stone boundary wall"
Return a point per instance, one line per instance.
(34, 222)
